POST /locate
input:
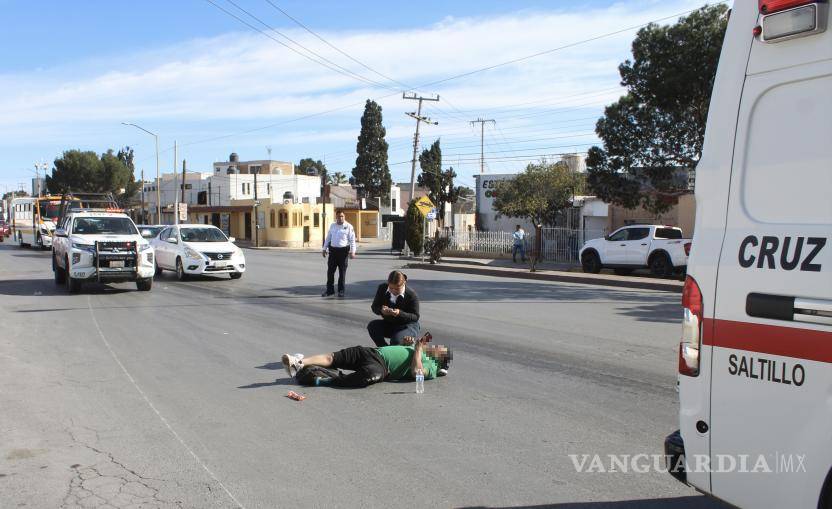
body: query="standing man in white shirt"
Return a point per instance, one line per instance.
(340, 244)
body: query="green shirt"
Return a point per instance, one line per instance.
(398, 359)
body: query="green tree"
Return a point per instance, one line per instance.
(414, 222)
(86, 171)
(371, 168)
(538, 194)
(338, 178)
(17, 194)
(309, 166)
(439, 183)
(655, 131)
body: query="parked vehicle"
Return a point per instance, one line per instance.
(100, 246)
(150, 231)
(662, 249)
(755, 359)
(191, 249)
(34, 219)
(5, 230)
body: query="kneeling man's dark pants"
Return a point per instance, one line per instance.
(381, 329)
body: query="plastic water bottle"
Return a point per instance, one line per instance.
(420, 382)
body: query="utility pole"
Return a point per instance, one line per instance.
(482, 122)
(144, 219)
(419, 119)
(175, 186)
(184, 179)
(256, 213)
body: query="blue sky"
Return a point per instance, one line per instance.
(191, 73)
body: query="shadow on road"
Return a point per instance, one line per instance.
(47, 287)
(277, 382)
(693, 502)
(658, 307)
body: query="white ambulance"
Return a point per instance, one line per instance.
(755, 362)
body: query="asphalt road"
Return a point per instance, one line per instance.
(177, 398)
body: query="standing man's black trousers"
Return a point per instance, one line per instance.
(338, 257)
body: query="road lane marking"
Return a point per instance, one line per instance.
(153, 407)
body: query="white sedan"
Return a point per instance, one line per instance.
(191, 249)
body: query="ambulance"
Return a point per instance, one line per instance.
(755, 360)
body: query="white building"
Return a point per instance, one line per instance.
(231, 181)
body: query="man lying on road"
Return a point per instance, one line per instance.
(370, 365)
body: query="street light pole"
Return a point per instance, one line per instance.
(158, 190)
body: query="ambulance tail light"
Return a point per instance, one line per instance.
(772, 6)
(691, 328)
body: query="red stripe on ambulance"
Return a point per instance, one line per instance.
(812, 345)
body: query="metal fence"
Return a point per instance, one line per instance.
(560, 245)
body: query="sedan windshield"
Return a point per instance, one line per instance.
(203, 235)
(104, 225)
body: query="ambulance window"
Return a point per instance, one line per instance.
(788, 165)
(638, 233)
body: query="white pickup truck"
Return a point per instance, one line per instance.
(101, 246)
(659, 248)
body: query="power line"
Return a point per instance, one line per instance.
(445, 80)
(336, 48)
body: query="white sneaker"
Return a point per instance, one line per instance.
(442, 372)
(293, 363)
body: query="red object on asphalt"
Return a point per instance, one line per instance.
(295, 396)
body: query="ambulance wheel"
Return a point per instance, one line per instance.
(591, 263)
(660, 265)
(58, 272)
(144, 285)
(236, 275)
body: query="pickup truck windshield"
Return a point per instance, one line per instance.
(104, 226)
(202, 235)
(668, 233)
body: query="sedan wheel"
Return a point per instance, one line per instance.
(180, 270)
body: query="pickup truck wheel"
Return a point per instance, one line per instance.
(72, 285)
(660, 265)
(39, 242)
(180, 270)
(591, 263)
(236, 275)
(144, 285)
(58, 272)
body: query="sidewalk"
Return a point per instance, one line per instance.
(566, 273)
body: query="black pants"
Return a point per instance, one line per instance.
(366, 365)
(338, 257)
(380, 330)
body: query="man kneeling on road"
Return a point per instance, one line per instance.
(398, 306)
(370, 365)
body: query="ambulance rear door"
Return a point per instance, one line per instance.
(771, 394)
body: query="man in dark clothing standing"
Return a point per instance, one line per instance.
(398, 306)
(339, 244)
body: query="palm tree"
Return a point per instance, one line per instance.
(337, 178)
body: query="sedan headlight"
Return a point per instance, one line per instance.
(190, 253)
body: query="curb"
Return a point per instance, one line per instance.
(563, 277)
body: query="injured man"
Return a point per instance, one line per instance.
(370, 365)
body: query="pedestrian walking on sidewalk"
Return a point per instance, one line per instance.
(398, 306)
(519, 244)
(340, 245)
